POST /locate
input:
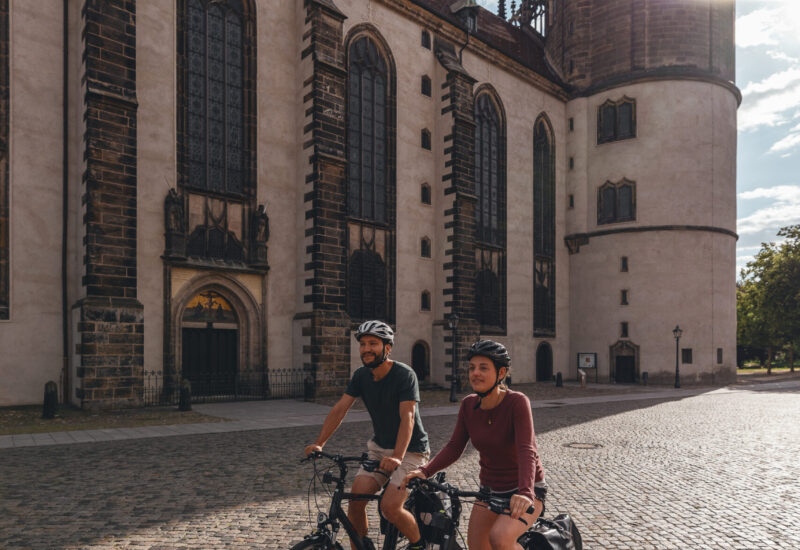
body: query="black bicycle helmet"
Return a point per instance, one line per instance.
(495, 351)
(378, 329)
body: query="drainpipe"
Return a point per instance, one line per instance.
(65, 381)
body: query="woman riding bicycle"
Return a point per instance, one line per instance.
(499, 423)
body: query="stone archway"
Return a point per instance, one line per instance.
(544, 363)
(624, 362)
(216, 334)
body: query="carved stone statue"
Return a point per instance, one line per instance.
(260, 235)
(174, 224)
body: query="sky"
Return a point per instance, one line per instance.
(768, 155)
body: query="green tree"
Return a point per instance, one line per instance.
(768, 296)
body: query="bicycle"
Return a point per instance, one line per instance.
(324, 536)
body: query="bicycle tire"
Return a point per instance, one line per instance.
(317, 542)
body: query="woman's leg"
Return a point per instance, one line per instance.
(505, 531)
(480, 524)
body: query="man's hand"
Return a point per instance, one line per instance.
(389, 464)
(519, 505)
(313, 448)
(411, 475)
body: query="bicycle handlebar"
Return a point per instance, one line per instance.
(368, 464)
(497, 504)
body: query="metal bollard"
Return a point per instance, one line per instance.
(559, 380)
(582, 377)
(50, 400)
(185, 402)
(644, 378)
(309, 388)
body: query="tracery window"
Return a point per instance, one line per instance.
(215, 105)
(616, 202)
(370, 176)
(489, 172)
(366, 131)
(616, 120)
(544, 229)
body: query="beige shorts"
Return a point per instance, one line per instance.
(411, 462)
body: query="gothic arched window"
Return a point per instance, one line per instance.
(544, 229)
(218, 75)
(487, 296)
(489, 172)
(367, 166)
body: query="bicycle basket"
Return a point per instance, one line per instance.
(560, 533)
(434, 512)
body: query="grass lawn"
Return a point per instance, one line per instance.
(756, 370)
(28, 419)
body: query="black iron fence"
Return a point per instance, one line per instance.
(241, 386)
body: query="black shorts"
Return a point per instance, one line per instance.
(539, 493)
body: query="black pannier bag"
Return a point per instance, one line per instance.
(436, 514)
(559, 533)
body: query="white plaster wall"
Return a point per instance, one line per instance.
(31, 341)
(279, 182)
(156, 162)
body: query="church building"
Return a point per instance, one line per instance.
(220, 191)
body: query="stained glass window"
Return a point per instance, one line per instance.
(214, 96)
(366, 131)
(489, 173)
(544, 228)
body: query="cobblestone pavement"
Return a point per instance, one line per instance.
(717, 470)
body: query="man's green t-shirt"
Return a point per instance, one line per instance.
(382, 399)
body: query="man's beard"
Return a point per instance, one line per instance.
(378, 361)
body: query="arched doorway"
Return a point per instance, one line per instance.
(624, 361)
(544, 363)
(210, 345)
(420, 361)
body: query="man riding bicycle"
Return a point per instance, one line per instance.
(390, 393)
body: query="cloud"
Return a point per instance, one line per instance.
(774, 23)
(771, 101)
(785, 209)
(789, 142)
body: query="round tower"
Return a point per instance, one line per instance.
(651, 177)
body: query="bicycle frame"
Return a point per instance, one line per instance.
(329, 525)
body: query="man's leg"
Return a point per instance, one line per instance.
(392, 507)
(357, 509)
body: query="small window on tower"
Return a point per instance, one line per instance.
(623, 264)
(623, 298)
(686, 356)
(425, 301)
(571, 124)
(426, 40)
(426, 86)
(623, 330)
(572, 201)
(571, 163)
(425, 193)
(425, 247)
(719, 356)
(616, 120)
(425, 139)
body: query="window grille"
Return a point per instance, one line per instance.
(215, 110)
(367, 171)
(544, 241)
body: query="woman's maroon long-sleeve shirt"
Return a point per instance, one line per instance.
(504, 439)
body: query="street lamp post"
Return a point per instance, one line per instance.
(676, 332)
(452, 322)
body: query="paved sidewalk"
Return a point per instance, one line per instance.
(263, 415)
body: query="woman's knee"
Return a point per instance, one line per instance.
(502, 539)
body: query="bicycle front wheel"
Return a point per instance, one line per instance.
(317, 542)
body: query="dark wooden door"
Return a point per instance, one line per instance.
(625, 369)
(419, 361)
(544, 363)
(210, 360)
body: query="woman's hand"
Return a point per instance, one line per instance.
(519, 505)
(411, 475)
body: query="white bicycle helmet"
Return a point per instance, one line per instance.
(378, 329)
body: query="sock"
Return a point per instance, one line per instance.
(419, 545)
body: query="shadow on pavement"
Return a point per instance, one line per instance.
(189, 486)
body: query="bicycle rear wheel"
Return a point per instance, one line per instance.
(317, 542)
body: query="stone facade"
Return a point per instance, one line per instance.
(147, 241)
